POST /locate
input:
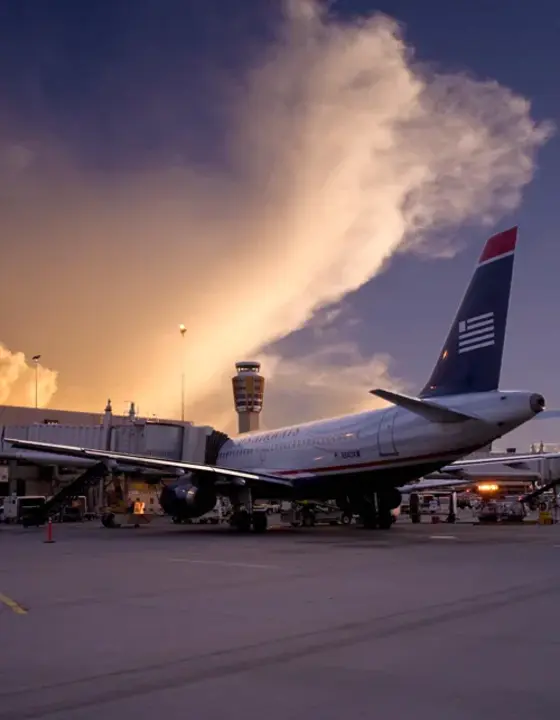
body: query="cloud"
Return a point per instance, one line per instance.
(330, 381)
(327, 322)
(343, 150)
(17, 380)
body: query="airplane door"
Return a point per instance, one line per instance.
(385, 434)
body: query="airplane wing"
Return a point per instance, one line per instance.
(548, 415)
(512, 461)
(423, 485)
(457, 474)
(231, 475)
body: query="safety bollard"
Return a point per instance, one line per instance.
(49, 532)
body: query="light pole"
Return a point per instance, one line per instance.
(182, 330)
(36, 359)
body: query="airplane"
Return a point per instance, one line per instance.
(361, 460)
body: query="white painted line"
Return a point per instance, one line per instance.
(443, 537)
(224, 563)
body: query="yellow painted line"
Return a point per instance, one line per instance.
(13, 605)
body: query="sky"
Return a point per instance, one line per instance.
(304, 184)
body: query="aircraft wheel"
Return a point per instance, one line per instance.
(241, 521)
(108, 520)
(369, 520)
(176, 520)
(385, 520)
(346, 519)
(260, 522)
(308, 520)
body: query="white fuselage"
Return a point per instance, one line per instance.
(379, 440)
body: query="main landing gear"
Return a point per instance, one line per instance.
(245, 518)
(375, 509)
(244, 521)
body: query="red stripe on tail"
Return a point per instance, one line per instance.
(499, 244)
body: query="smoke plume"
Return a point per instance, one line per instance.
(343, 150)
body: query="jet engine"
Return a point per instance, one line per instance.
(187, 500)
(392, 498)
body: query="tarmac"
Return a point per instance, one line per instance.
(452, 621)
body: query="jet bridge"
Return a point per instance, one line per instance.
(168, 440)
(161, 439)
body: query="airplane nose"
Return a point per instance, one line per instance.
(537, 403)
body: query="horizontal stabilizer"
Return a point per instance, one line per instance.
(428, 410)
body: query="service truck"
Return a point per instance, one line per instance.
(22, 508)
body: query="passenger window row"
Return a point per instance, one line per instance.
(307, 442)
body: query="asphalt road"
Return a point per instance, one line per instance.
(454, 622)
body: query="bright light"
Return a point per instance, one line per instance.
(488, 487)
(182, 329)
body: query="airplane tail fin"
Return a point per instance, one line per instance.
(471, 358)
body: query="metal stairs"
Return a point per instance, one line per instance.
(66, 494)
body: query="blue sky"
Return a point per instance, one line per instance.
(116, 87)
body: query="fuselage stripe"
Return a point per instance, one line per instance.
(379, 463)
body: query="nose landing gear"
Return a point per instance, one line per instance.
(244, 521)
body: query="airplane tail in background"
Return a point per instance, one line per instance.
(471, 358)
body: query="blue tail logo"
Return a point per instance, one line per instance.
(471, 358)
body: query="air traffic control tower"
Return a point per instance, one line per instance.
(248, 394)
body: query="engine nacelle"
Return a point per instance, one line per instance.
(186, 500)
